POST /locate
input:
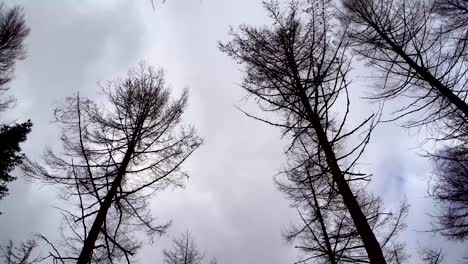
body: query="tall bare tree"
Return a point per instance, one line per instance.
(297, 67)
(184, 251)
(326, 232)
(420, 48)
(115, 157)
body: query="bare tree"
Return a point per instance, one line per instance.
(431, 256)
(115, 157)
(13, 31)
(451, 191)
(184, 251)
(326, 232)
(420, 49)
(418, 59)
(22, 254)
(297, 67)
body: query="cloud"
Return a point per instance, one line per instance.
(230, 203)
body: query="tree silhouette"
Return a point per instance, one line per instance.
(13, 31)
(297, 68)
(420, 49)
(115, 157)
(184, 251)
(326, 232)
(418, 60)
(451, 191)
(431, 256)
(10, 156)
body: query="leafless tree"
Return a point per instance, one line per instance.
(184, 251)
(418, 60)
(116, 156)
(22, 254)
(451, 163)
(420, 49)
(297, 67)
(13, 31)
(451, 191)
(431, 256)
(326, 232)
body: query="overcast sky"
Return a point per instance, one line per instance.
(230, 203)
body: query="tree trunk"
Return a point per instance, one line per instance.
(372, 246)
(88, 247)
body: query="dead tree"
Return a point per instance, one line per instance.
(297, 67)
(419, 60)
(420, 48)
(450, 189)
(115, 157)
(13, 32)
(326, 232)
(422, 61)
(431, 256)
(184, 251)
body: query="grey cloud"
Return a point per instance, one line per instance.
(230, 203)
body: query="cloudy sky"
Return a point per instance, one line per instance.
(230, 203)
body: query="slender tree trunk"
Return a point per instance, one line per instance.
(371, 244)
(88, 246)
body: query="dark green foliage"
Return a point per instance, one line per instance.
(10, 151)
(13, 31)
